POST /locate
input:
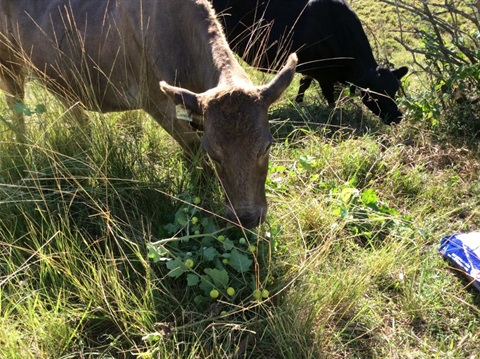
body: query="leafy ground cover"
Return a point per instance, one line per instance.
(111, 246)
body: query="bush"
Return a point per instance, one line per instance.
(446, 48)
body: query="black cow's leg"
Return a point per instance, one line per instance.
(328, 92)
(305, 83)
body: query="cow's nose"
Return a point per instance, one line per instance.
(248, 219)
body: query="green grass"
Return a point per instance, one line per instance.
(349, 253)
(346, 281)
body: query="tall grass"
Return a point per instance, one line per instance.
(356, 212)
(347, 281)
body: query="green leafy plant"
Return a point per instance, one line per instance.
(365, 214)
(22, 109)
(446, 50)
(209, 260)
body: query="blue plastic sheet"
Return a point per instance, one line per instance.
(463, 251)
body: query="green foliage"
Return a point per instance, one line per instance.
(208, 258)
(365, 215)
(447, 50)
(20, 108)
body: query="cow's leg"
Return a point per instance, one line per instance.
(13, 86)
(305, 83)
(328, 91)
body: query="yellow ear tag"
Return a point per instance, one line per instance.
(183, 113)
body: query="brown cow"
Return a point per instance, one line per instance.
(110, 55)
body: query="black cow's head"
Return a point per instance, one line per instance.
(378, 89)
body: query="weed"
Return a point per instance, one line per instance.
(209, 259)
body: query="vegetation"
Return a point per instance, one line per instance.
(111, 246)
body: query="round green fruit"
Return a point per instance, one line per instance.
(265, 293)
(257, 294)
(214, 293)
(221, 238)
(252, 248)
(230, 291)
(189, 263)
(194, 220)
(242, 240)
(197, 200)
(225, 261)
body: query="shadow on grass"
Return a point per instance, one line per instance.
(292, 121)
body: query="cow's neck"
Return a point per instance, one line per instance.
(364, 61)
(223, 68)
(209, 60)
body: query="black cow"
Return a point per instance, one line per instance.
(329, 40)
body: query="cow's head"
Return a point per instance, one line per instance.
(378, 89)
(237, 139)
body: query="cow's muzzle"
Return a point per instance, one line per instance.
(248, 219)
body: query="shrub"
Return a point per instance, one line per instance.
(446, 48)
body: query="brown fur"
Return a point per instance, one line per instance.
(110, 55)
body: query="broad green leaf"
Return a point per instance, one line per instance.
(39, 109)
(348, 194)
(209, 226)
(156, 253)
(153, 254)
(239, 261)
(192, 279)
(307, 162)
(369, 196)
(177, 268)
(209, 253)
(181, 218)
(219, 277)
(208, 241)
(172, 228)
(206, 284)
(18, 108)
(228, 244)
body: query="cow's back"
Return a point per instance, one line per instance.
(79, 46)
(325, 34)
(334, 35)
(102, 53)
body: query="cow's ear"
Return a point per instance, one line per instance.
(180, 96)
(271, 92)
(400, 72)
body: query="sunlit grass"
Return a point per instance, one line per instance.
(356, 211)
(79, 207)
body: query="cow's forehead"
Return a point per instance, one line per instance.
(236, 118)
(233, 99)
(236, 108)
